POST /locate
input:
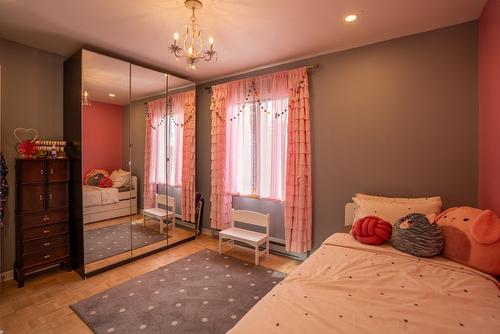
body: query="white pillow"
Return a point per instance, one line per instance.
(391, 209)
(120, 178)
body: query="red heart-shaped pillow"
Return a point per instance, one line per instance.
(371, 230)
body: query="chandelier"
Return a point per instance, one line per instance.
(85, 99)
(192, 42)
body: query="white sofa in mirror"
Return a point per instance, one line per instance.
(107, 203)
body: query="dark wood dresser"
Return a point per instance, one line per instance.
(41, 216)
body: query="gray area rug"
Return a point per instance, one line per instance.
(112, 240)
(202, 293)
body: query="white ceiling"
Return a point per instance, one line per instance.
(248, 33)
(103, 75)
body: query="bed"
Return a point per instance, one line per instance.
(349, 287)
(107, 203)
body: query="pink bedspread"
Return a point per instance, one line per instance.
(348, 287)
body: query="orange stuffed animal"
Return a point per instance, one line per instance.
(472, 237)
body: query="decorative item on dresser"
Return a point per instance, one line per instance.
(41, 215)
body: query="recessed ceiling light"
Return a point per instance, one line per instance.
(351, 18)
(111, 95)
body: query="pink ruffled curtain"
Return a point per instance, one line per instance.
(298, 202)
(220, 199)
(273, 144)
(276, 144)
(154, 150)
(189, 157)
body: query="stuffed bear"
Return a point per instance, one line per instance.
(472, 237)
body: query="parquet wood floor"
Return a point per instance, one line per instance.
(42, 306)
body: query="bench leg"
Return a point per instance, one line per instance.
(220, 244)
(161, 226)
(144, 220)
(267, 247)
(256, 255)
(173, 222)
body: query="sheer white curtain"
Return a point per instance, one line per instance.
(256, 138)
(155, 152)
(175, 132)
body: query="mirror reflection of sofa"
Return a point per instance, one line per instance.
(107, 202)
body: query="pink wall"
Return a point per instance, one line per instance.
(489, 107)
(102, 136)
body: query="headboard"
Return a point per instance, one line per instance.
(349, 213)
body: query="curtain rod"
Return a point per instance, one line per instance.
(308, 68)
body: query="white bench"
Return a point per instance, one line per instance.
(161, 214)
(251, 238)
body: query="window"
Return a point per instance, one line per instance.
(155, 150)
(163, 170)
(256, 147)
(175, 133)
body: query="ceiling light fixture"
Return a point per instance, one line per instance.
(192, 45)
(85, 99)
(111, 95)
(351, 18)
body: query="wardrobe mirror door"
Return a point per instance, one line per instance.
(148, 136)
(181, 159)
(109, 188)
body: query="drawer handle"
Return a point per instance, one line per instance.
(51, 171)
(47, 244)
(40, 197)
(46, 218)
(50, 196)
(41, 171)
(46, 231)
(46, 256)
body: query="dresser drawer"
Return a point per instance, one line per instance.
(45, 256)
(57, 170)
(48, 217)
(45, 243)
(44, 231)
(57, 195)
(32, 171)
(31, 198)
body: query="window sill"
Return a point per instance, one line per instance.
(257, 198)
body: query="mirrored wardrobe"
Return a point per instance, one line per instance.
(131, 136)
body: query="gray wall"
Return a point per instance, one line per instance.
(397, 118)
(32, 97)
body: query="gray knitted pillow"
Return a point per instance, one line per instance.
(413, 234)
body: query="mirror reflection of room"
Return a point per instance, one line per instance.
(109, 190)
(162, 130)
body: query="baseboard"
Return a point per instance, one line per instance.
(206, 231)
(7, 276)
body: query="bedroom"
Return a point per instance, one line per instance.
(401, 106)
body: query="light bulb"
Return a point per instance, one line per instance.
(211, 40)
(351, 18)
(190, 50)
(176, 35)
(85, 94)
